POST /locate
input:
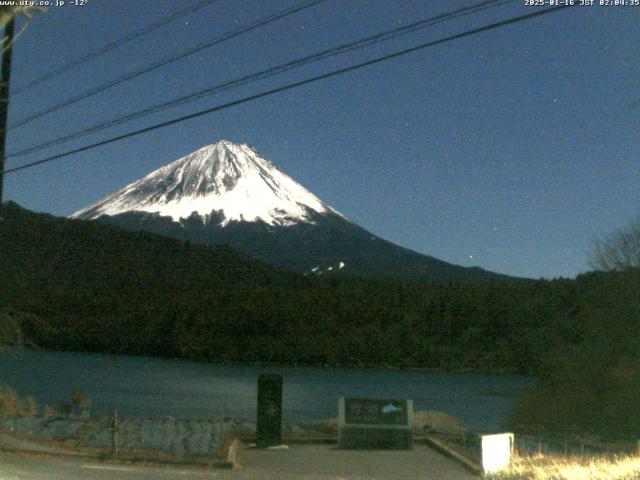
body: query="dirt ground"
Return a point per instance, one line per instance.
(299, 462)
(324, 462)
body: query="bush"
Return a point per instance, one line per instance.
(11, 405)
(592, 385)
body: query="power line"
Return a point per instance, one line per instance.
(293, 85)
(168, 60)
(113, 45)
(323, 55)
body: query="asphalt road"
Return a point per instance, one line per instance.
(300, 462)
(36, 467)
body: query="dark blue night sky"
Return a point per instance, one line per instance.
(511, 149)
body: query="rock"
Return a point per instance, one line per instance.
(99, 434)
(62, 428)
(31, 424)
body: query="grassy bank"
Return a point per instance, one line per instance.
(550, 467)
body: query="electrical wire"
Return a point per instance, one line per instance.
(113, 45)
(323, 55)
(293, 85)
(166, 61)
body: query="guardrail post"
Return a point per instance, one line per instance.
(116, 428)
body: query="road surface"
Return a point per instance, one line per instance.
(300, 462)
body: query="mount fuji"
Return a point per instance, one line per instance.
(227, 193)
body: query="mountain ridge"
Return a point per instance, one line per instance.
(224, 176)
(226, 193)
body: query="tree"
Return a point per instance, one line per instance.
(591, 386)
(8, 12)
(618, 250)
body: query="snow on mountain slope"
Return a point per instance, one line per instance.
(225, 176)
(227, 194)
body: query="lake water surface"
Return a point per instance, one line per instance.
(151, 387)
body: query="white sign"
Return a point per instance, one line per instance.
(496, 451)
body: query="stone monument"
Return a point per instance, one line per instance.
(269, 429)
(375, 423)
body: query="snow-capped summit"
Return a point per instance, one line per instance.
(227, 194)
(224, 177)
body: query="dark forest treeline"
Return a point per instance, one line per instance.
(86, 286)
(102, 289)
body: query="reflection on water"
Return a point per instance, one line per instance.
(153, 387)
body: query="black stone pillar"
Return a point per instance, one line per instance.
(269, 410)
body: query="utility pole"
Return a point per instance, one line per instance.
(4, 93)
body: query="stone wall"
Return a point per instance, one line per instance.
(168, 435)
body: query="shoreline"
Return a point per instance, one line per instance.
(266, 364)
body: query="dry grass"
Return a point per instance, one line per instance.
(11, 405)
(547, 467)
